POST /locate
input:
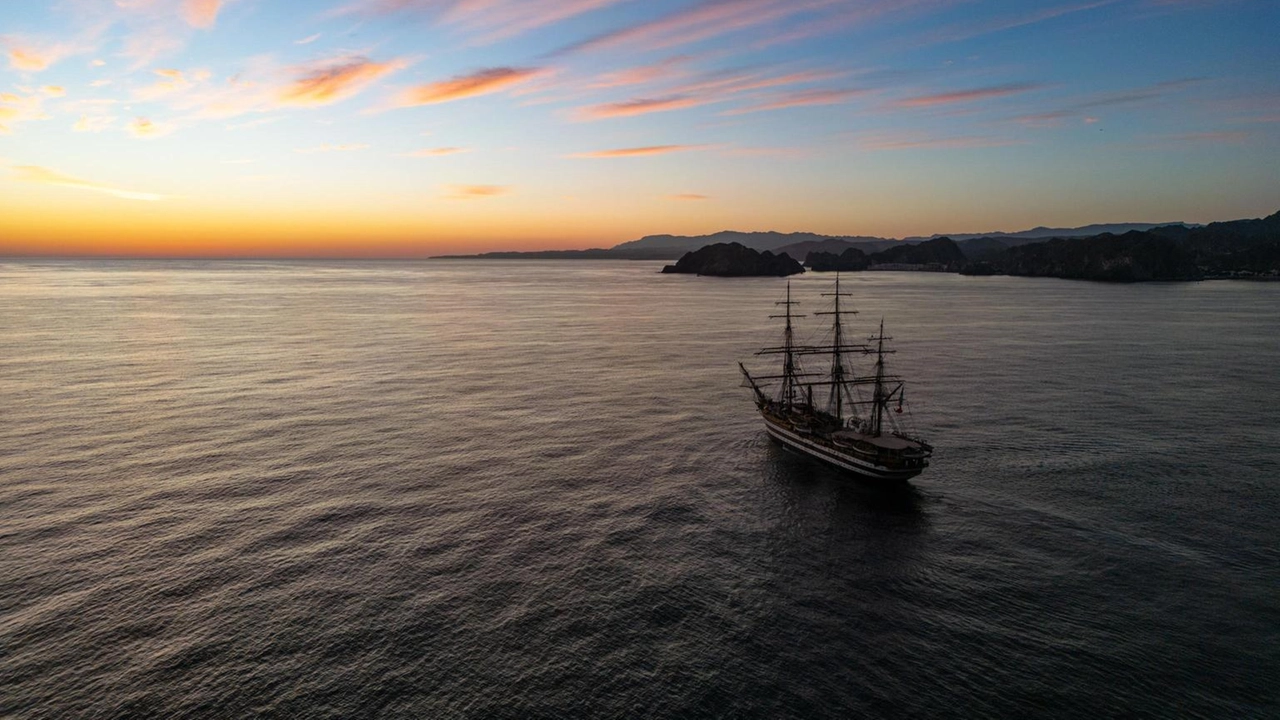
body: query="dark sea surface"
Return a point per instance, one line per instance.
(535, 489)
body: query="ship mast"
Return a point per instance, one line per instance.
(878, 399)
(837, 348)
(789, 360)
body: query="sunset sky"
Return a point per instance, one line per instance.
(417, 127)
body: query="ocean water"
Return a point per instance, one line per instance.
(535, 489)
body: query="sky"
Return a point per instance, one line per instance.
(421, 127)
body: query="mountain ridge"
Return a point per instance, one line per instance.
(800, 243)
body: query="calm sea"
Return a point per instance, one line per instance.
(535, 489)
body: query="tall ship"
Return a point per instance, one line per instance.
(818, 406)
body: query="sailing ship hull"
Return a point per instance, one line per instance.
(875, 446)
(839, 460)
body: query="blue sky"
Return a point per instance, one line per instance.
(442, 125)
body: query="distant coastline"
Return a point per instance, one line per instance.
(1133, 252)
(796, 244)
(588, 254)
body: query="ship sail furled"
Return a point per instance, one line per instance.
(872, 444)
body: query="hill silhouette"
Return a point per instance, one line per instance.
(1239, 248)
(734, 260)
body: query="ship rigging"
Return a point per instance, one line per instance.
(860, 435)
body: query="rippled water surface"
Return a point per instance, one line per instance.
(491, 489)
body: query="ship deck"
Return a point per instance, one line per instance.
(888, 442)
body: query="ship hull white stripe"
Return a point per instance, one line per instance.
(853, 465)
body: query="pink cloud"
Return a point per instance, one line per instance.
(436, 152)
(702, 21)
(1044, 119)
(806, 98)
(33, 56)
(729, 83)
(145, 129)
(482, 82)
(639, 151)
(201, 13)
(334, 80)
(716, 88)
(641, 106)
(964, 96)
(642, 74)
(28, 59)
(486, 20)
(472, 192)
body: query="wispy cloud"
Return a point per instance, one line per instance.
(33, 56)
(146, 129)
(45, 176)
(264, 86)
(201, 13)
(473, 192)
(493, 20)
(1044, 119)
(1183, 140)
(254, 123)
(1137, 95)
(436, 152)
(702, 21)
(28, 59)
(170, 82)
(639, 106)
(642, 74)
(1217, 137)
(156, 41)
(308, 40)
(846, 16)
(1083, 108)
(485, 20)
(805, 98)
(919, 142)
(327, 148)
(16, 109)
(639, 151)
(481, 82)
(720, 87)
(688, 196)
(966, 32)
(336, 79)
(93, 123)
(724, 84)
(789, 153)
(964, 96)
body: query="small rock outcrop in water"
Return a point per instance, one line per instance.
(734, 260)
